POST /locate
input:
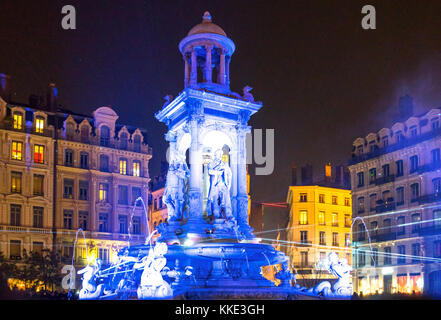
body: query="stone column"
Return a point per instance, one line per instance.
(186, 71)
(194, 71)
(227, 71)
(221, 76)
(208, 67)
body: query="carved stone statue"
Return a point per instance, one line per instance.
(286, 277)
(220, 184)
(176, 187)
(247, 95)
(89, 289)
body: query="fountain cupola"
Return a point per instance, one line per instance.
(207, 53)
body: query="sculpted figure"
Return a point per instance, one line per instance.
(220, 184)
(286, 277)
(89, 289)
(176, 188)
(152, 284)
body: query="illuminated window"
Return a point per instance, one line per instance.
(347, 202)
(104, 190)
(321, 218)
(136, 168)
(123, 166)
(334, 199)
(335, 219)
(38, 185)
(38, 153)
(303, 217)
(321, 198)
(16, 182)
(303, 197)
(18, 120)
(347, 240)
(347, 221)
(39, 124)
(17, 150)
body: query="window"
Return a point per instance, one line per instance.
(70, 130)
(373, 202)
(401, 228)
(123, 224)
(68, 188)
(386, 170)
(136, 168)
(400, 168)
(136, 193)
(361, 232)
(335, 239)
(38, 185)
(322, 238)
(136, 225)
(387, 255)
(103, 254)
(104, 163)
(84, 160)
(413, 164)
(374, 228)
(67, 219)
(400, 196)
(38, 153)
(416, 222)
(372, 146)
(360, 204)
(103, 222)
(123, 138)
(16, 178)
(123, 166)
(123, 194)
(399, 136)
(361, 258)
(15, 214)
(137, 143)
(38, 217)
(437, 218)
(68, 158)
(334, 200)
(67, 251)
(18, 120)
(84, 190)
(401, 259)
(83, 218)
(347, 202)
(347, 221)
(303, 197)
(435, 123)
(304, 258)
(414, 192)
(436, 158)
(303, 218)
(39, 124)
(103, 192)
(303, 236)
(437, 248)
(413, 131)
(385, 141)
(436, 185)
(15, 249)
(321, 198)
(321, 218)
(37, 247)
(375, 255)
(17, 150)
(360, 177)
(387, 223)
(335, 219)
(416, 252)
(84, 134)
(360, 150)
(347, 240)
(105, 136)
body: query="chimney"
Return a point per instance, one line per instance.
(5, 87)
(339, 175)
(328, 173)
(307, 175)
(405, 107)
(293, 174)
(51, 98)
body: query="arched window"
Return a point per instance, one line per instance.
(70, 130)
(123, 141)
(104, 136)
(137, 143)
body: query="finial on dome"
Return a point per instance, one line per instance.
(206, 17)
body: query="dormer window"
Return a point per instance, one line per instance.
(39, 124)
(18, 120)
(372, 146)
(85, 134)
(104, 136)
(70, 130)
(123, 138)
(360, 150)
(413, 131)
(137, 143)
(385, 141)
(399, 136)
(435, 123)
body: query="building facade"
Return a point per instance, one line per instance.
(396, 185)
(62, 171)
(319, 223)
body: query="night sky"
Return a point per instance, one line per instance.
(323, 80)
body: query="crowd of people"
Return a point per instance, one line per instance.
(30, 294)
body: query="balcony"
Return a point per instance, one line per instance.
(384, 236)
(428, 198)
(429, 231)
(305, 243)
(383, 180)
(429, 167)
(385, 207)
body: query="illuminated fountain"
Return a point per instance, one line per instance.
(206, 249)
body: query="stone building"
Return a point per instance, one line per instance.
(61, 171)
(396, 183)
